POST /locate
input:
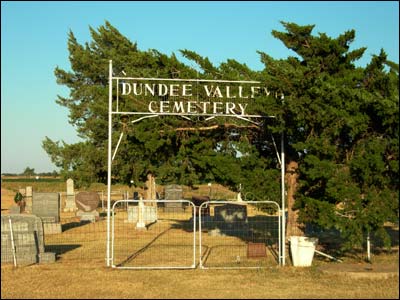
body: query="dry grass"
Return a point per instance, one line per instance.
(79, 281)
(80, 272)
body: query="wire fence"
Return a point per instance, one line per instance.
(169, 234)
(153, 234)
(236, 235)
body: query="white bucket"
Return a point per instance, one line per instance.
(302, 249)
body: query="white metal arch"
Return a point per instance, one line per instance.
(185, 115)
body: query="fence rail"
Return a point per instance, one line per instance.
(238, 235)
(153, 234)
(171, 234)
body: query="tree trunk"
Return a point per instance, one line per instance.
(293, 226)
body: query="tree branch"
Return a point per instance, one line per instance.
(226, 125)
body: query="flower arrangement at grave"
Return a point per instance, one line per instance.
(20, 201)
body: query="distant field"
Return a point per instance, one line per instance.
(51, 184)
(41, 179)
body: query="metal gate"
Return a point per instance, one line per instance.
(239, 235)
(210, 109)
(153, 234)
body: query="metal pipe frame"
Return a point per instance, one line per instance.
(193, 266)
(110, 113)
(280, 255)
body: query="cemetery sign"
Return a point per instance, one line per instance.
(192, 96)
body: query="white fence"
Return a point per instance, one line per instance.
(161, 234)
(153, 234)
(237, 235)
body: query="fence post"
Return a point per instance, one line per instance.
(12, 243)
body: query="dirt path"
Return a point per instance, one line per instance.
(362, 270)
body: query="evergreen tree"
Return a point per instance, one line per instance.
(340, 122)
(28, 172)
(341, 125)
(173, 149)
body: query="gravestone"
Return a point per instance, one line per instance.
(239, 197)
(28, 199)
(150, 191)
(29, 191)
(205, 211)
(149, 214)
(256, 250)
(173, 192)
(135, 196)
(140, 224)
(231, 219)
(47, 207)
(87, 203)
(199, 200)
(70, 200)
(22, 192)
(24, 238)
(15, 209)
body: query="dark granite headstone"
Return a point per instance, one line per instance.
(231, 219)
(46, 206)
(199, 200)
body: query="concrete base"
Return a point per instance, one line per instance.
(52, 228)
(47, 257)
(91, 216)
(70, 205)
(141, 226)
(15, 209)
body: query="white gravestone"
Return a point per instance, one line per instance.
(70, 201)
(140, 223)
(28, 199)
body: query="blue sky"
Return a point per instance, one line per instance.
(34, 42)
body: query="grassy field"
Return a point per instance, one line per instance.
(82, 280)
(80, 271)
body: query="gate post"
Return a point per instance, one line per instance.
(109, 160)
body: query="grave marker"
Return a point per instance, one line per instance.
(87, 203)
(28, 199)
(256, 250)
(70, 201)
(149, 214)
(173, 192)
(231, 219)
(23, 237)
(47, 207)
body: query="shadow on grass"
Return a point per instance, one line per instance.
(71, 225)
(261, 229)
(141, 250)
(61, 249)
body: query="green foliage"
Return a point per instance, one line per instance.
(342, 128)
(28, 172)
(341, 125)
(18, 197)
